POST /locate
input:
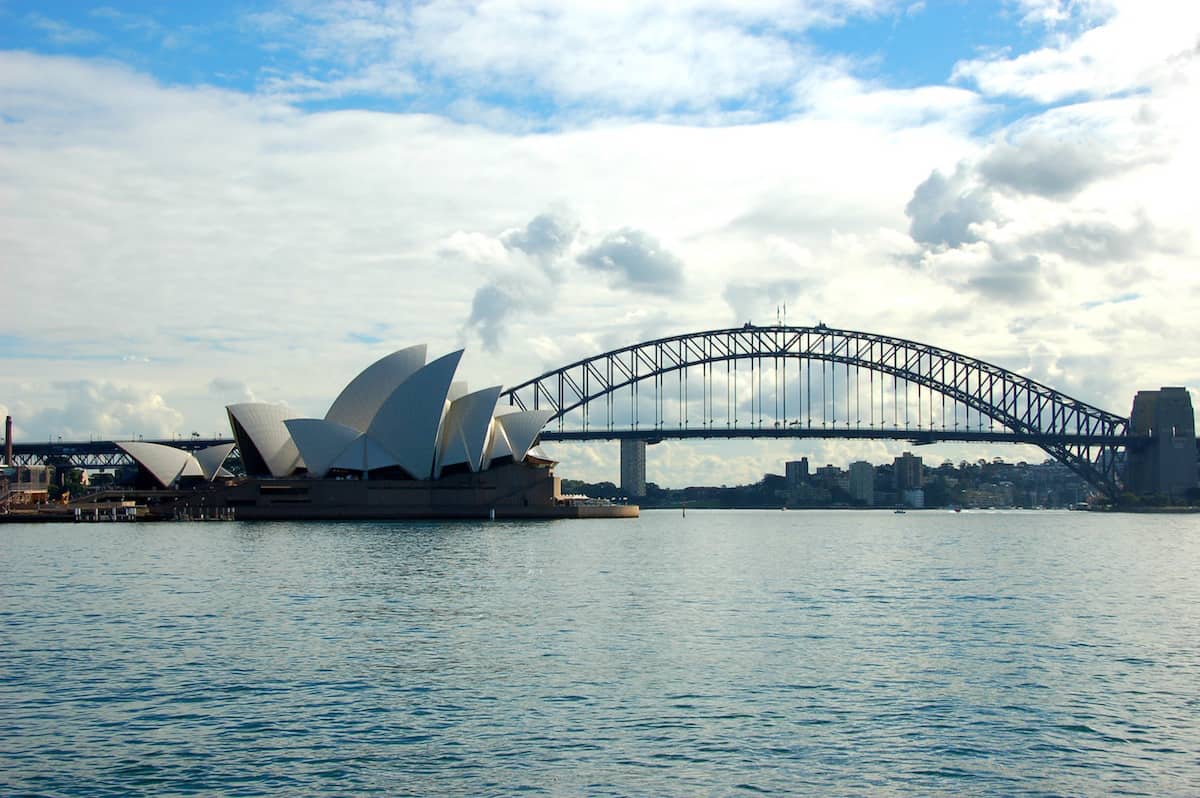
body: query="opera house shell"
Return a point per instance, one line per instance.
(401, 418)
(402, 439)
(167, 466)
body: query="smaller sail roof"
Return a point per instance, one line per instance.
(522, 429)
(270, 439)
(320, 442)
(212, 458)
(165, 463)
(465, 429)
(498, 445)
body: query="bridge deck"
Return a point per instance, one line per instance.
(915, 436)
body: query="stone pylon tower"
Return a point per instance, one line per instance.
(1168, 465)
(633, 467)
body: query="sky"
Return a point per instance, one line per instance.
(203, 203)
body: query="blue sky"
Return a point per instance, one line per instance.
(249, 46)
(214, 202)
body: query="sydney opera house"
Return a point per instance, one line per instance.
(403, 439)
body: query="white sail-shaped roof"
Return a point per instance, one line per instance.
(364, 454)
(465, 429)
(211, 458)
(359, 401)
(165, 463)
(263, 423)
(320, 442)
(522, 428)
(497, 446)
(409, 419)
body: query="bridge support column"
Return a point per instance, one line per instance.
(633, 468)
(1168, 465)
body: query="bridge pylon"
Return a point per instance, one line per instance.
(1166, 465)
(633, 468)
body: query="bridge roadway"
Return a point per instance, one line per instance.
(922, 437)
(95, 454)
(106, 454)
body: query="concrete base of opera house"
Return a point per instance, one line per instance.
(516, 490)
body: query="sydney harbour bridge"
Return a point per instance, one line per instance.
(790, 381)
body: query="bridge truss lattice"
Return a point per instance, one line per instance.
(818, 382)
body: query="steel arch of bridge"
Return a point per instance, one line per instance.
(1083, 437)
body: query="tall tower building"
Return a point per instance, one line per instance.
(907, 472)
(862, 482)
(1168, 464)
(633, 468)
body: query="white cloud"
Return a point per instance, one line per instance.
(107, 410)
(1137, 44)
(621, 56)
(231, 391)
(1056, 14)
(948, 210)
(374, 80)
(547, 236)
(60, 33)
(634, 260)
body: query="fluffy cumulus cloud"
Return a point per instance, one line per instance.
(1062, 153)
(546, 237)
(1098, 242)
(946, 210)
(542, 182)
(107, 410)
(1074, 201)
(525, 271)
(636, 261)
(493, 305)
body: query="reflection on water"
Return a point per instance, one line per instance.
(722, 653)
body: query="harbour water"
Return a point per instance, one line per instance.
(721, 653)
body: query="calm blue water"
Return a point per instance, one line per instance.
(725, 653)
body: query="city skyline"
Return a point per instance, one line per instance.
(250, 201)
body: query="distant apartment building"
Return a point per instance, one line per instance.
(906, 470)
(862, 482)
(633, 468)
(828, 475)
(796, 472)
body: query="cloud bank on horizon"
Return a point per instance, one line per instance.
(258, 199)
